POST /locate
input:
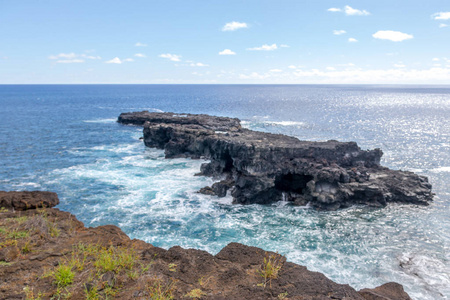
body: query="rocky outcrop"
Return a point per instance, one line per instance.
(259, 167)
(390, 290)
(49, 254)
(27, 200)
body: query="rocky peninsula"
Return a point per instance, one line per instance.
(46, 253)
(260, 167)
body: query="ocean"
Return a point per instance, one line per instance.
(65, 138)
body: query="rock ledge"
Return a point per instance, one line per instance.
(259, 167)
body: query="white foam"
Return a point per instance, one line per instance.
(440, 169)
(101, 121)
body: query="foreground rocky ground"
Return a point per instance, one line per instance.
(260, 167)
(48, 254)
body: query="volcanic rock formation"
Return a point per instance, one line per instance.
(260, 167)
(46, 253)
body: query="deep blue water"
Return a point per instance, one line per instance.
(64, 138)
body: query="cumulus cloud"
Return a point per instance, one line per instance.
(128, 60)
(172, 57)
(227, 52)
(441, 15)
(199, 64)
(442, 25)
(339, 32)
(115, 60)
(435, 59)
(395, 36)
(232, 26)
(70, 61)
(352, 40)
(140, 55)
(264, 47)
(276, 71)
(253, 75)
(399, 65)
(334, 9)
(350, 11)
(67, 58)
(138, 44)
(331, 69)
(284, 46)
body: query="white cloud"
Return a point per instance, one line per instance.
(115, 60)
(140, 55)
(292, 67)
(227, 52)
(172, 57)
(276, 71)
(91, 57)
(138, 44)
(334, 9)
(232, 26)
(435, 59)
(349, 11)
(352, 40)
(253, 75)
(199, 64)
(339, 32)
(442, 25)
(70, 61)
(264, 47)
(67, 58)
(441, 15)
(400, 65)
(128, 60)
(284, 46)
(395, 36)
(331, 69)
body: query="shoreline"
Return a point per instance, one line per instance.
(49, 253)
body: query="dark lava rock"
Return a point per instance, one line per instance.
(28, 200)
(261, 167)
(387, 291)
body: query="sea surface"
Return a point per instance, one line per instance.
(65, 138)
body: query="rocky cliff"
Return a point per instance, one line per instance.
(48, 254)
(259, 167)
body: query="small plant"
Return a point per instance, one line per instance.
(18, 234)
(92, 293)
(3, 209)
(172, 267)
(20, 220)
(270, 269)
(115, 259)
(160, 291)
(26, 248)
(63, 275)
(29, 294)
(5, 264)
(282, 295)
(196, 294)
(202, 281)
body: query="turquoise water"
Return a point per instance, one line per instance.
(65, 139)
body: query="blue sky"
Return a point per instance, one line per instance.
(246, 41)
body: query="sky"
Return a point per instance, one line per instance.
(224, 42)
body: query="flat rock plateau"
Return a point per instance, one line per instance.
(259, 167)
(46, 253)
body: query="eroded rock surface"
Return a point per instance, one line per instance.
(27, 200)
(49, 254)
(259, 167)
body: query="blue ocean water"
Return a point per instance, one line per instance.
(65, 138)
